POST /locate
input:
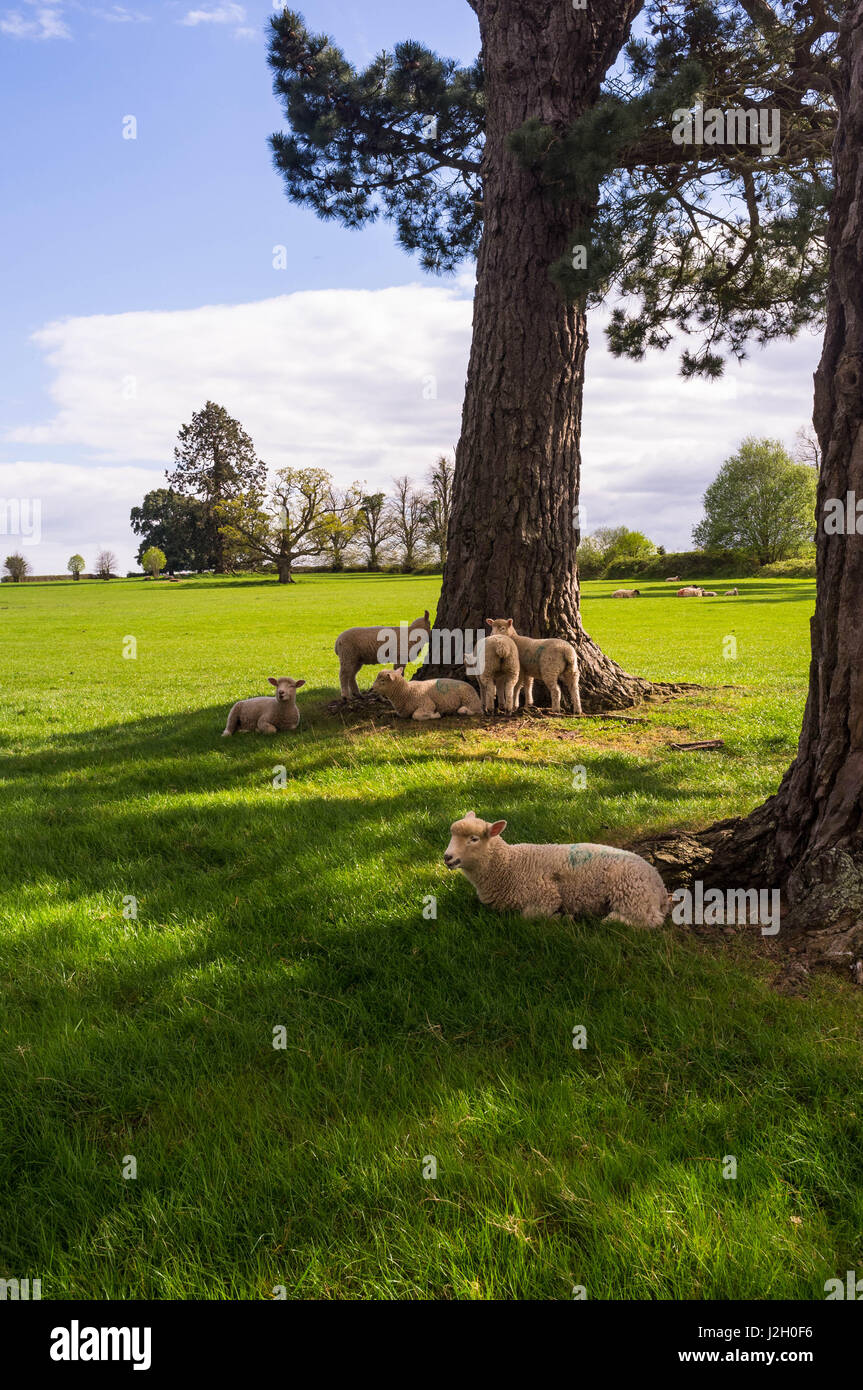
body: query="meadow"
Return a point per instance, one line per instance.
(170, 901)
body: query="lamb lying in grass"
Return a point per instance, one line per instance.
(268, 714)
(361, 646)
(496, 668)
(626, 593)
(732, 592)
(550, 659)
(426, 699)
(690, 591)
(542, 880)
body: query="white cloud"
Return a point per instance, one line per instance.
(119, 14)
(369, 384)
(219, 14)
(43, 22)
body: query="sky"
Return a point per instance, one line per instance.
(141, 276)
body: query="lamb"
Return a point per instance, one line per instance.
(361, 646)
(690, 591)
(496, 667)
(268, 714)
(709, 593)
(426, 699)
(732, 593)
(626, 593)
(544, 880)
(549, 658)
(673, 579)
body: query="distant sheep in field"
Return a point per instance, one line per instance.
(626, 593)
(267, 714)
(545, 880)
(548, 659)
(709, 593)
(673, 579)
(496, 667)
(690, 591)
(731, 593)
(361, 646)
(426, 699)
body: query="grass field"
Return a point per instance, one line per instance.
(301, 906)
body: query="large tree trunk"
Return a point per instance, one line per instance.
(511, 547)
(808, 838)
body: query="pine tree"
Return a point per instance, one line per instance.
(215, 461)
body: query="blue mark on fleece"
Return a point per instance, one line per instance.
(582, 854)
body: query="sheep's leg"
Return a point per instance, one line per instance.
(526, 685)
(554, 687)
(265, 727)
(348, 668)
(487, 688)
(572, 685)
(510, 695)
(425, 712)
(232, 721)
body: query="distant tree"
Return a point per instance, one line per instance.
(17, 566)
(608, 544)
(407, 511)
(176, 524)
(439, 505)
(106, 563)
(806, 448)
(215, 461)
(153, 561)
(288, 527)
(75, 566)
(341, 521)
(375, 527)
(761, 502)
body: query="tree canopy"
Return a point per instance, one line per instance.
(761, 502)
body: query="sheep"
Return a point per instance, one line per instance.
(549, 658)
(495, 665)
(690, 591)
(361, 646)
(426, 699)
(544, 880)
(733, 593)
(709, 593)
(673, 579)
(268, 714)
(626, 593)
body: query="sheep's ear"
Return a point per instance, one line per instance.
(272, 680)
(297, 684)
(488, 622)
(509, 622)
(425, 615)
(497, 828)
(469, 815)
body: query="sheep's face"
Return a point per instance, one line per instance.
(470, 841)
(387, 681)
(285, 687)
(501, 627)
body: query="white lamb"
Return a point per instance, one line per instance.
(731, 593)
(690, 591)
(496, 668)
(361, 646)
(544, 880)
(626, 593)
(268, 714)
(550, 659)
(426, 699)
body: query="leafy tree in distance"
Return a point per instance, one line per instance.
(341, 522)
(760, 502)
(375, 527)
(525, 159)
(17, 566)
(288, 527)
(75, 566)
(153, 561)
(215, 461)
(608, 544)
(177, 525)
(407, 509)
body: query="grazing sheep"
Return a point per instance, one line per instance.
(360, 646)
(549, 658)
(542, 880)
(495, 665)
(690, 591)
(426, 699)
(732, 593)
(626, 593)
(268, 714)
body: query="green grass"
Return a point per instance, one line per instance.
(302, 906)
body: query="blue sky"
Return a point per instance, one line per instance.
(137, 278)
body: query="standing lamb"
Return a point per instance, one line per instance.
(495, 666)
(361, 646)
(268, 714)
(549, 658)
(542, 880)
(426, 699)
(626, 593)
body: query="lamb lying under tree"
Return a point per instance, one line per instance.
(544, 880)
(426, 699)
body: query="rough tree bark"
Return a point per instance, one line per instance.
(808, 838)
(511, 549)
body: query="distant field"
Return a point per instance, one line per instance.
(302, 906)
